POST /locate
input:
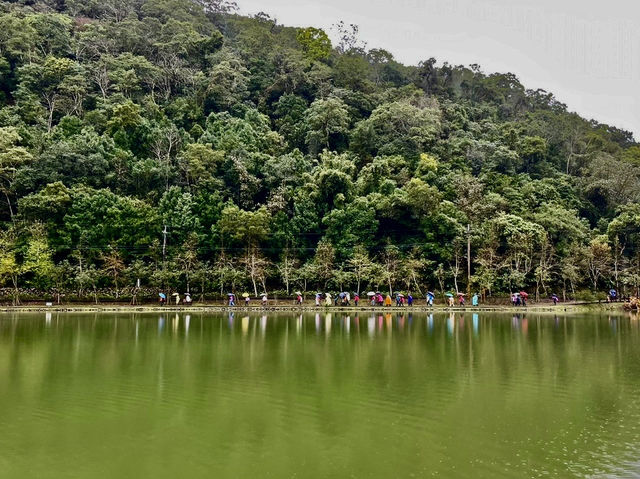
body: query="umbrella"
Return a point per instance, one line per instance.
(245, 295)
(400, 294)
(162, 295)
(298, 293)
(342, 295)
(449, 295)
(371, 293)
(522, 293)
(230, 294)
(461, 294)
(175, 294)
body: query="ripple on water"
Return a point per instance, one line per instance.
(378, 398)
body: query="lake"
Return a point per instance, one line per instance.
(319, 395)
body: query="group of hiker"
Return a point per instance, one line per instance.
(520, 299)
(162, 299)
(375, 298)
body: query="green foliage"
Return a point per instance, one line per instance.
(315, 43)
(275, 160)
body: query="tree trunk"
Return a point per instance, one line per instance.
(10, 207)
(16, 293)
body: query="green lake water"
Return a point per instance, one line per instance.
(326, 395)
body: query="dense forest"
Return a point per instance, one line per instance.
(178, 145)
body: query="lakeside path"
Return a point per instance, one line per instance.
(213, 308)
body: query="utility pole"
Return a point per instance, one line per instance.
(164, 247)
(468, 260)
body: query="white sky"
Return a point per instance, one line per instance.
(586, 52)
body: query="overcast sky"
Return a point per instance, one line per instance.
(584, 51)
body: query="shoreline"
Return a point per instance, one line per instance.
(211, 308)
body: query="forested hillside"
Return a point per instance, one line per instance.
(277, 160)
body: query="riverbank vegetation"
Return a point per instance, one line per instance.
(175, 144)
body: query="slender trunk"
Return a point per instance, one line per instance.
(52, 105)
(10, 207)
(16, 293)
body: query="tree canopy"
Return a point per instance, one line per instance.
(185, 145)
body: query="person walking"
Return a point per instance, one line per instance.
(328, 299)
(356, 299)
(318, 298)
(247, 300)
(410, 300)
(430, 298)
(264, 300)
(555, 299)
(387, 301)
(475, 299)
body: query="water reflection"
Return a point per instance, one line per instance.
(384, 324)
(324, 385)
